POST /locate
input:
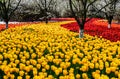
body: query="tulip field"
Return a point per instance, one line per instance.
(97, 27)
(55, 51)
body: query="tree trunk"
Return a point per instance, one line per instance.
(109, 26)
(81, 29)
(6, 25)
(118, 21)
(81, 33)
(110, 21)
(46, 21)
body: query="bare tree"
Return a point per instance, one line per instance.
(7, 8)
(45, 7)
(80, 10)
(109, 11)
(118, 17)
(26, 12)
(67, 12)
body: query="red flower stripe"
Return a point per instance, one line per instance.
(97, 28)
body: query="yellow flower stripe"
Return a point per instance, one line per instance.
(41, 51)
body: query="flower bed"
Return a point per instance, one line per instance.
(62, 19)
(12, 25)
(105, 23)
(93, 28)
(41, 51)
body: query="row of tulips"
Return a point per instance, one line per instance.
(95, 27)
(12, 25)
(62, 19)
(41, 51)
(105, 23)
(2, 26)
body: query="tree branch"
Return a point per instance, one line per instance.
(14, 9)
(76, 18)
(98, 11)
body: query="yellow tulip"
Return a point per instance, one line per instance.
(43, 70)
(38, 66)
(78, 76)
(108, 70)
(5, 77)
(50, 76)
(91, 65)
(84, 68)
(12, 76)
(33, 55)
(57, 72)
(27, 62)
(27, 69)
(113, 69)
(84, 76)
(27, 77)
(0, 62)
(47, 67)
(17, 61)
(1, 57)
(65, 72)
(21, 73)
